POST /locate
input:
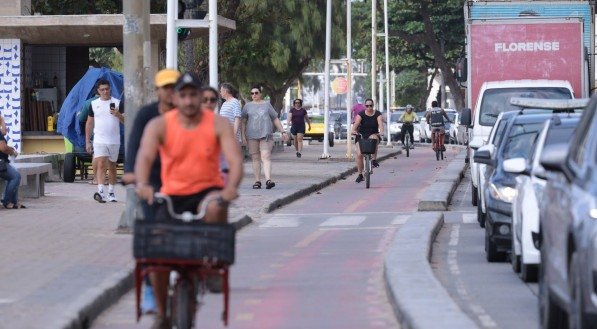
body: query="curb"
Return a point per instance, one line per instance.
(417, 297)
(437, 196)
(278, 203)
(88, 307)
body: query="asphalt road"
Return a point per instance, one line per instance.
(490, 293)
(316, 263)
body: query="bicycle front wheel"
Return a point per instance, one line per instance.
(368, 171)
(184, 306)
(407, 144)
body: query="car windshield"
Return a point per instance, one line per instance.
(335, 115)
(496, 101)
(341, 119)
(316, 119)
(521, 140)
(395, 116)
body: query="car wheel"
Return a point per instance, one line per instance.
(474, 195)
(576, 317)
(480, 216)
(491, 253)
(528, 273)
(550, 315)
(69, 168)
(514, 259)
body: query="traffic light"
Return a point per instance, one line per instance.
(182, 32)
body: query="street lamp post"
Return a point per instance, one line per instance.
(326, 101)
(373, 47)
(171, 41)
(348, 78)
(213, 43)
(385, 14)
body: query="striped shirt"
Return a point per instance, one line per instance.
(231, 110)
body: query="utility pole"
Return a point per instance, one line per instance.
(348, 78)
(213, 43)
(326, 101)
(385, 18)
(135, 34)
(171, 38)
(373, 48)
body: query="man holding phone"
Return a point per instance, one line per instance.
(104, 119)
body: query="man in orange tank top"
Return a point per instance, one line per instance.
(189, 141)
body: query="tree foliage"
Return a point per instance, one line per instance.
(411, 87)
(417, 28)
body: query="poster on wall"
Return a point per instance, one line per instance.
(10, 89)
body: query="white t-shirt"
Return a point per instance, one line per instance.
(106, 128)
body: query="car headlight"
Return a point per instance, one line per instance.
(593, 213)
(503, 193)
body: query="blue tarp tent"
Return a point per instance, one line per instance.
(68, 123)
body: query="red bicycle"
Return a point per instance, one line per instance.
(438, 143)
(191, 251)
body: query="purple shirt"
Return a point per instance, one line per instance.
(356, 109)
(298, 116)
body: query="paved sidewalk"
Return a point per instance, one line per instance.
(62, 252)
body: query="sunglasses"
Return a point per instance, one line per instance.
(210, 99)
(297, 103)
(368, 105)
(254, 93)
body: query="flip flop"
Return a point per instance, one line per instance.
(269, 184)
(19, 206)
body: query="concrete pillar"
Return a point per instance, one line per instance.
(12, 100)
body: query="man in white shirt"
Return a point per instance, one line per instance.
(104, 119)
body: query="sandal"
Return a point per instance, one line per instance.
(19, 206)
(257, 185)
(269, 184)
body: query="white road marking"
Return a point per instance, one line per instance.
(343, 221)
(6, 301)
(454, 235)
(469, 218)
(344, 214)
(386, 239)
(279, 221)
(400, 219)
(486, 321)
(453, 262)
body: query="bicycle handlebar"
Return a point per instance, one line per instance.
(188, 216)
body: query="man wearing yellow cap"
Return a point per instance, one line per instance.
(164, 83)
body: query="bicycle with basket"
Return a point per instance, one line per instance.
(190, 248)
(367, 148)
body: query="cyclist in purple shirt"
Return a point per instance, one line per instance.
(296, 120)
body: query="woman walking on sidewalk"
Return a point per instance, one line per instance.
(296, 120)
(258, 121)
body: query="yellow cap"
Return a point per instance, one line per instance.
(166, 77)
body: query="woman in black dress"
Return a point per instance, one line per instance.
(368, 124)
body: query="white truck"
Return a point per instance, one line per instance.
(522, 49)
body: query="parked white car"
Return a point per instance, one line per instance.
(530, 184)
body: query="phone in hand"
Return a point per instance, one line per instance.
(112, 108)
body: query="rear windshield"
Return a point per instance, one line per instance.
(496, 101)
(559, 135)
(521, 141)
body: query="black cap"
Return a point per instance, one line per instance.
(187, 79)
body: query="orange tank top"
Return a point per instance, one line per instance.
(190, 158)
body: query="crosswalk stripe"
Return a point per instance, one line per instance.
(281, 222)
(343, 221)
(400, 219)
(469, 218)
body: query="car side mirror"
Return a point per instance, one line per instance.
(539, 172)
(484, 155)
(554, 158)
(516, 166)
(477, 143)
(466, 117)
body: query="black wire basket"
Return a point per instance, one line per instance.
(367, 146)
(179, 240)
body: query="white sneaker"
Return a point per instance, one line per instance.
(111, 197)
(99, 197)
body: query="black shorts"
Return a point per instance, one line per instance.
(295, 130)
(183, 203)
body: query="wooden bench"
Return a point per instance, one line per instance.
(33, 179)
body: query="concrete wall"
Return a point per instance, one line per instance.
(15, 7)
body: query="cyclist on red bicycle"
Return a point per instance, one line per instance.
(435, 118)
(189, 141)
